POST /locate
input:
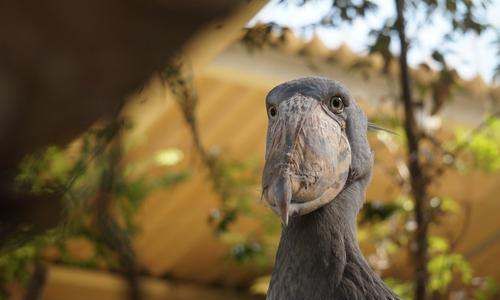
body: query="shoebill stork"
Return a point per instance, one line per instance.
(318, 165)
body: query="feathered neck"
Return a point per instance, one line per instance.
(319, 257)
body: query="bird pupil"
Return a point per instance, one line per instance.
(336, 102)
(272, 111)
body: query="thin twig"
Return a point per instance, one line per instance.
(111, 233)
(459, 148)
(482, 246)
(463, 229)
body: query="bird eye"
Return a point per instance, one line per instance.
(273, 111)
(336, 104)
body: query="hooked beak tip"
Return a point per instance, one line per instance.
(284, 213)
(279, 195)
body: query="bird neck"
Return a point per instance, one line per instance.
(319, 257)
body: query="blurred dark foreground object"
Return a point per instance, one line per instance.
(65, 64)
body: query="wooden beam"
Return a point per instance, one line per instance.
(77, 284)
(197, 53)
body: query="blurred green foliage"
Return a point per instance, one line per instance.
(483, 147)
(75, 175)
(488, 289)
(15, 266)
(444, 264)
(239, 182)
(404, 289)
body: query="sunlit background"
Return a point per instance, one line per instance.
(470, 54)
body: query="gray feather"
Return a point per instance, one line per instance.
(373, 126)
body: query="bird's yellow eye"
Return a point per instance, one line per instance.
(336, 104)
(273, 111)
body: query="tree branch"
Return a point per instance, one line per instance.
(417, 180)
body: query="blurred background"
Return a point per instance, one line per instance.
(133, 139)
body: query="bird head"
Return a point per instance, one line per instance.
(316, 144)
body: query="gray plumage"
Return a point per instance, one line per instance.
(318, 165)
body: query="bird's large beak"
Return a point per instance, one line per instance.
(281, 184)
(307, 159)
